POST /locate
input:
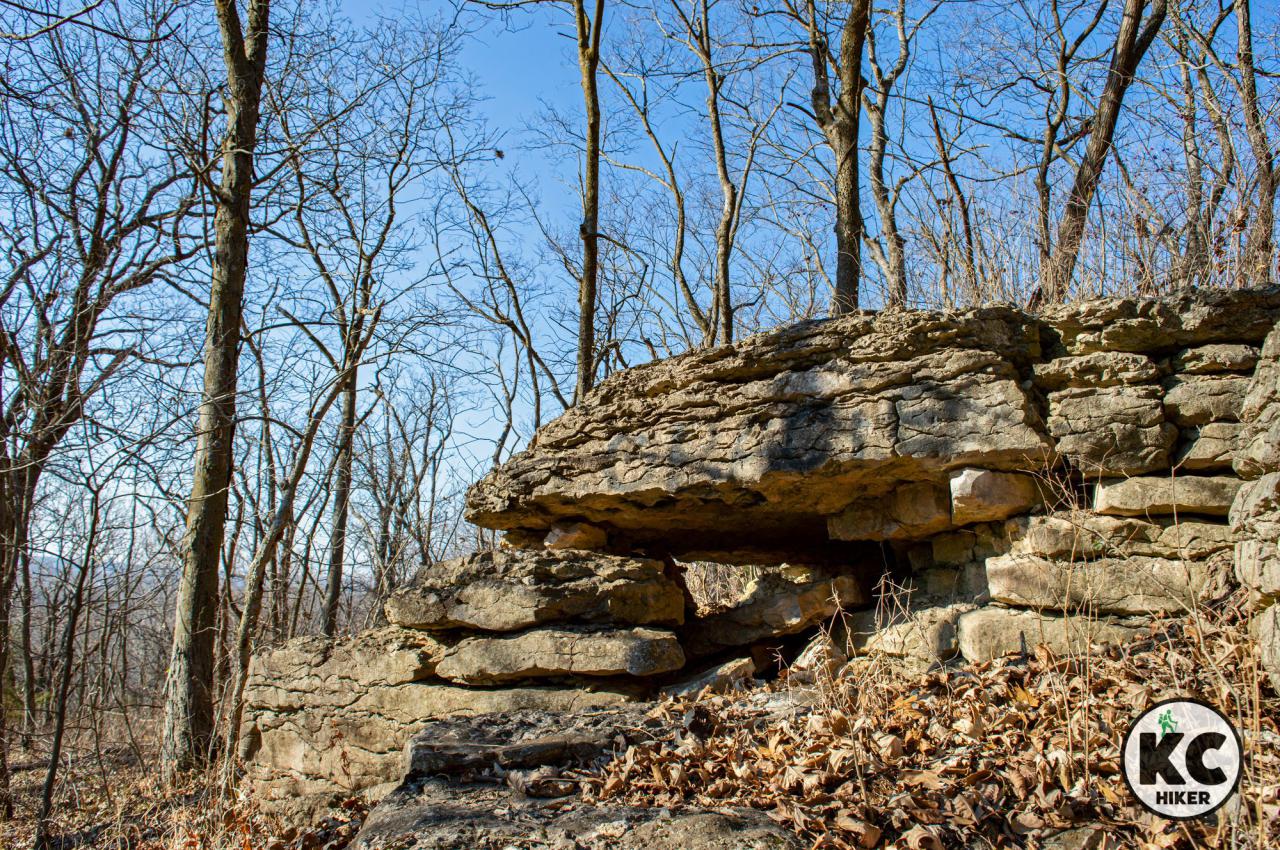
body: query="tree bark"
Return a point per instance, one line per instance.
(341, 504)
(839, 122)
(588, 32)
(188, 716)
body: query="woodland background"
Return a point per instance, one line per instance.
(275, 284)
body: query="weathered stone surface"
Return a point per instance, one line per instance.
(747, 441)
(1100, 369)
(512, 589)
(1259, 447)
(910, 511)
(1166, 495)
(1210, 359)
(443, 815)
(991, 632)
(303, 747)
(575, 535)
(1201, 399)
(1112, 431)
(777, 602)
(1255, 517)
(1209, 448)
(732, 674)
(924, 635)
(1189, 318)
(551, 651)
(982, 495)
(523, 738)
(1131, 585)
(1082, 536)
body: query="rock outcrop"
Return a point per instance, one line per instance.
(930, 488)
(1255, 513)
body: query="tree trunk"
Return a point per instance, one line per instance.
(588, 31)
(839, 122)
(1131, 44)
(188, 717)
(341, 505)
(1259, 241)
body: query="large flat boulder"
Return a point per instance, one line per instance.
(778, 432)
(551, 652)
(510, 589)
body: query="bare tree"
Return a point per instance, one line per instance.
(1131, 44)
(95, 218)
(838, 115)
(188, 726)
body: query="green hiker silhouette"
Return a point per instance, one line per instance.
(1167, 723)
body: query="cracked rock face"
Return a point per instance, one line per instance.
(511, 589)
(332, 717)
(543, 652)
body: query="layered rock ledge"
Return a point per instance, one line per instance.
(930, 489)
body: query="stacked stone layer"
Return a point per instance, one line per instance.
(1255, 513)
(955, 486)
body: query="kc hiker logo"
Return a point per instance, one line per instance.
(1181, 759)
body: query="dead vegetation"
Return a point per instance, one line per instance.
(1009, 753)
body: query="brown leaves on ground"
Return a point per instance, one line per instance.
(1019, 752)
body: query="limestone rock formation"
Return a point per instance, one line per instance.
(510, 589)
(1255, 514)
(781, 430)
(932, 488)
(326, 718)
